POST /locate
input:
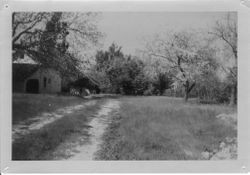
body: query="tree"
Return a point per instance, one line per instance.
(104, 59)
(26, 31)
(208, 84)
(181, 52)
(53, 47)
(124, 73)
(66, 35)
(162, 82)
(157, 73)
(225, 30)
(105, 63)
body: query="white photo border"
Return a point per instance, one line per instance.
(239, 165)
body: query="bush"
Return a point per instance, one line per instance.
(223, 95)
(150, 90)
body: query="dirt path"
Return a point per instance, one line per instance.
(37, 122)
(97, 128)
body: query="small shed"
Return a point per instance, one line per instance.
(85, 82)
(32, 78)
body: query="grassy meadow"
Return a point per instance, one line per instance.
(145, 128)
(26, 106)
(162, 128)
(39, 144)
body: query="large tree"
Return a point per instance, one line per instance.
(53, 47)
(27, 28)
(57, 39)
(124, 73)
(225, 32)
(182, 52)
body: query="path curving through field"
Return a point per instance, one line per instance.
(97, 128)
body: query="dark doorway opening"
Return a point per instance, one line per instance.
(32, 86)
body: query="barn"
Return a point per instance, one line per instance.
(32, 78)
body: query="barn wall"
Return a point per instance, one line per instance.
(53, 80)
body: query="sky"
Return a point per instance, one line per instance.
(130, 29)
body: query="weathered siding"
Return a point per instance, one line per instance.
(49, 77)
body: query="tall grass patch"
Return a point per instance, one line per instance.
(162, 128)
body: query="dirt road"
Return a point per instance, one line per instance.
(35, 123)
(85, 147)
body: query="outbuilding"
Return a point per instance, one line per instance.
(32, 78)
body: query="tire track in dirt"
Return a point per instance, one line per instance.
(38, 122)
(97, 128)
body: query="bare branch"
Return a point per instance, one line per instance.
(38, 18)
(221, 35)
(179, 66)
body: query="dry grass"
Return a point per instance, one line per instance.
(161, 128)
(25, 106)
(147, 128)
(39, 144)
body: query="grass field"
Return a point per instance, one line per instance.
(145, 128)
(162, 128)
(25, 106)
(39, 144)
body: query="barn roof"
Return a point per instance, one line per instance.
(22, 71)
(84, 82)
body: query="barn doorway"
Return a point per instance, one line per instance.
(32, 86)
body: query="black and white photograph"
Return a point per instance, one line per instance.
(124, 85)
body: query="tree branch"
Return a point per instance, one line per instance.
(39, 19)
(221, 35)
(191, 87)
(179, 66)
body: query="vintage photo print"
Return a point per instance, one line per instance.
(108, 86)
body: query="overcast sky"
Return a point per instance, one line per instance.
(128, 29)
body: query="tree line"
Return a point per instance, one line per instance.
(185, 63)
(176, 63)
(125, 74)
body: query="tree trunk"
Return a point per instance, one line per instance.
(188, 90)
(186, 86)
(186, 96)
(233, 95)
